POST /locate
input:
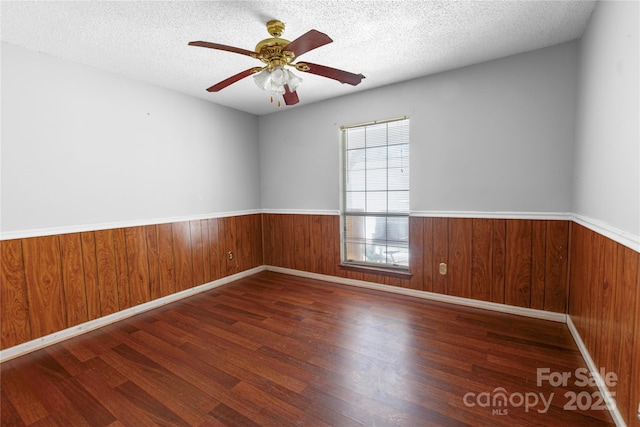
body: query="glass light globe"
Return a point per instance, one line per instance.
(263, 79)
(292, 81)
(278, 76)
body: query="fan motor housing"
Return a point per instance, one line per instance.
(271, 46)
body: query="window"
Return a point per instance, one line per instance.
(375, 186)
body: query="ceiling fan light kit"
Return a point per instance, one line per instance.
(275, 80)
(278, 54)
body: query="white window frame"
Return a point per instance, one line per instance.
(371, 251)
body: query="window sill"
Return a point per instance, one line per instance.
(403, 274)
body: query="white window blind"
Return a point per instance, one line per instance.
(375, 214)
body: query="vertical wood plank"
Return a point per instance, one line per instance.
(230, 238)
(90, 264)
(278, 221)
(43, 278)
(240, 242)
(225, 263)
(557, 259)
(15, 327)
(336, 252)
(258, 252)
(359, 275)
(460, 234)
(242, 247)
(538, 263)
(618, 296)
(197, 252)
(416, 252)
(74, 291)
(628, 312)
(481, 260)
(122, 271)
(215, 255)
(499, 259)
(594, 281)
(374, 278)
(255, 239)
(278, 226)
(328, 243)
(582, 284)
(603, 355)
(244, 240)
(301, 242)
(268, 239)
(107, 275)
(288, 238)
(222, 246)
(428, 254)
(634, 392)
(153, 259)
(440, 253)
(166, 263)
(137, 265)
(206, 250)
(518, 268)
(315, 243)
(395, 281)
(576, 275)
(247, 241)
(182, 256)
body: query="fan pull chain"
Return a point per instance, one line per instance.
(279, 104)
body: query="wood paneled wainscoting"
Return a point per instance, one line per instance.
(51, 283)
(519, 262)
(604, 306)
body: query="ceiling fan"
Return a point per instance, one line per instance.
(278, 54)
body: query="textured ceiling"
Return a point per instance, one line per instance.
(387, 41)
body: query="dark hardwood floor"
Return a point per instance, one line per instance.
(278, 350)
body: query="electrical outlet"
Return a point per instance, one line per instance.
(230, 255)
(443, 269)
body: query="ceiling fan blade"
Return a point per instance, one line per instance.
(290, 98)
(310, 40)
(224, 47)
(219, 86)
(331, 73)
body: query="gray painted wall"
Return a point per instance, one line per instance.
(81, 146)
(607, 154)
(494, 137)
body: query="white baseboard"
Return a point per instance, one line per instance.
(29, 346)
(503, 308)
(595, 373)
